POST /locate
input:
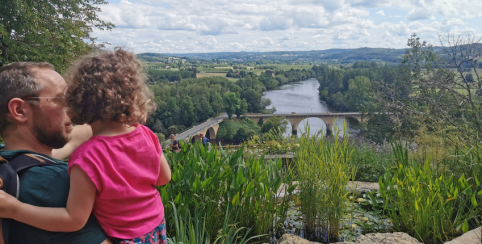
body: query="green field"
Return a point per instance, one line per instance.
(286, 66)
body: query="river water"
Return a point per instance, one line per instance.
(303, 97)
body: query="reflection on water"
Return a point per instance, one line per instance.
(302, 97)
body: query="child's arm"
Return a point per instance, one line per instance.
(164, 172)
(80, 134)
(69, 219)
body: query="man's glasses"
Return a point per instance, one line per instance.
(57, 100)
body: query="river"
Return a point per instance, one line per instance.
(302, 97)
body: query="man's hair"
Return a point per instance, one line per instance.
(109, 86)
(18, 80)
(172, 135)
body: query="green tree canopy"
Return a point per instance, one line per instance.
(231, 103)
(277, 123)
(54, 31)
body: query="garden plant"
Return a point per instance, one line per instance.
(323, 171)
(433, 206)
(211, 181)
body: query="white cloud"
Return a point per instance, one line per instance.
(275, 23)
(370, 3)
(267, 40)
(419, 13)
(260, 25)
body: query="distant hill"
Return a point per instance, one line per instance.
(315, 56)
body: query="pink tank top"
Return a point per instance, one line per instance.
(124, 169)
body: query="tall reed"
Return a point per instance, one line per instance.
(323, 171)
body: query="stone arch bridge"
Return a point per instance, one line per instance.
(210, 127)
(294, 119)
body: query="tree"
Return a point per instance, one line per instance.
(158, 127)
(173, 129)
(260, 122)
(242, 108)
(278, 123)
(470, 78)
(431, 87)
(253, 100)
(231, 103)
(188, 116)
(358, 93)
(338, 100)
(48, 31)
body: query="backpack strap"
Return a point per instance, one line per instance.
(10, 182)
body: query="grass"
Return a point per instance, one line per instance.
(202, 75)
(287, 66)
(371, 162)
(323, 171)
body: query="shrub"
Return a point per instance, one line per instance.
(370, 162)
(429, 205)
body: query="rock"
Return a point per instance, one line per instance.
(373, 238)
(362, 186)
(471, 237)
(292, 239)
(384, 238)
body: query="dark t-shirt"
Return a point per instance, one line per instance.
(48, 186)
(205, 140)
(175, 145)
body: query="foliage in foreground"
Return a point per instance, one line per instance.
(371, 162)
(191, 230)
(429, 205)
(323, 171)
(213, 182)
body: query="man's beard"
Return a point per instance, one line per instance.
(44, 134)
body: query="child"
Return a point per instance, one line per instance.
(114, 174)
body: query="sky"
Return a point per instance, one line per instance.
(199, 26)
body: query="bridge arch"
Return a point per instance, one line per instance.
(195, 138)
(211, 133)
(315, 124)
(289, 128)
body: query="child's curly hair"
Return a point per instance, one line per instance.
(109, 86)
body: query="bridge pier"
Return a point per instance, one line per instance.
(294, 130)
(329, 127)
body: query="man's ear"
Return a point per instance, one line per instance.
(19, 110)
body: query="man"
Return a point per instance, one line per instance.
(33, 119)
(175, 145)
(204, 139)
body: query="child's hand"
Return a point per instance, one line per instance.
(8, 205)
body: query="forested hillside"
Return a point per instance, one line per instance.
(319, 56)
